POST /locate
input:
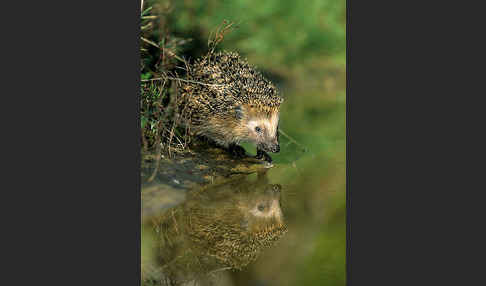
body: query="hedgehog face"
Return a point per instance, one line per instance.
(263, 131)
(268, 205)
(262, 210)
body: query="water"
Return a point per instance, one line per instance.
(212, 220)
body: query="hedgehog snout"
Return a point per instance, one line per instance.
(276, 149)
(274, 146)
(270, 147)
(273, 190)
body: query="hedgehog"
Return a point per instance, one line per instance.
(222, 226)
(229, 102)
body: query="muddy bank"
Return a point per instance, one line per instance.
(165, 183)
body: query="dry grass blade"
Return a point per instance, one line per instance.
(149, 25)
(293, 140)
(150, 42)
(218, 36)
(149, 17)
(172, 54)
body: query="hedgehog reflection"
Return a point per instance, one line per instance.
(222, 227)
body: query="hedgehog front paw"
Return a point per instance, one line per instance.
(263, 155)
(237, 151)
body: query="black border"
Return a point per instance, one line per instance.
(412, 130)
(73, 203)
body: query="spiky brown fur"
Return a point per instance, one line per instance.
(225, 99)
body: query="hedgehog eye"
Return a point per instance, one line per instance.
(258, 129)
(261, 207)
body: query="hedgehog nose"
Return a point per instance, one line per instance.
(273, 189)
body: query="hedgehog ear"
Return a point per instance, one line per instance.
(239, 112)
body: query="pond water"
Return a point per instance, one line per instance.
(212, 220)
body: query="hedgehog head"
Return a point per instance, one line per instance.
(264, 209)
(260, 125)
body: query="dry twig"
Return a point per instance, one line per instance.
(292, 140)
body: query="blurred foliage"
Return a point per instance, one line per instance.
(286, 31)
